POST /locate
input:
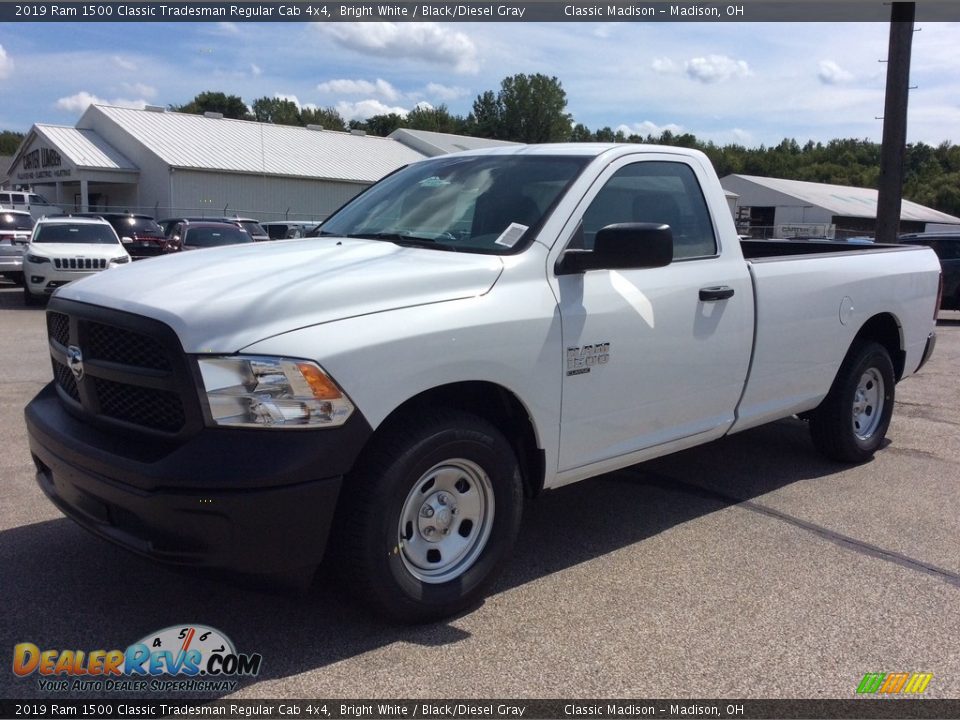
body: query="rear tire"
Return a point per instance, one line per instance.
(850, 424)
(429, 517)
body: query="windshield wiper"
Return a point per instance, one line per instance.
(404, 240)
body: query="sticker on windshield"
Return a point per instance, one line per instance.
(508, 238)
(433, 181)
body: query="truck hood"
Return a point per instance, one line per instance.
(222, 299)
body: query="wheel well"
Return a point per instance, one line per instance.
(495, 404)
(885, 330)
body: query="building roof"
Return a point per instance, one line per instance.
(843, 200)
(194, 141)
(432, 144)
(84, 148)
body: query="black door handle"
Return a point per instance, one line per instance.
(711, 294)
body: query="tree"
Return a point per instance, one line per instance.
(436, 119)
(328, 118)
(486, 118)
(381, 125)
(276, 110)
(581, 133)
(232, 106)
(9, 141)
(533, 109)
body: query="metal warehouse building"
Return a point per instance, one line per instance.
(770, 207)
(172, 164)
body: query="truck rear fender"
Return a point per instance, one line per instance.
(886, 330)
(493, 403)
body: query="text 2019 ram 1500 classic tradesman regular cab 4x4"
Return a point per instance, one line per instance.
(469, 331)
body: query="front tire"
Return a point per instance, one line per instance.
(851, 423)
(429, 517)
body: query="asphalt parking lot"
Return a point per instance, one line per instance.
(748, 568)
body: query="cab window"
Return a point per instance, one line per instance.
(653, 192)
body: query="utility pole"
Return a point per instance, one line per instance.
(893, 149)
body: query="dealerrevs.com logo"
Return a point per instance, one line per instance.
(193, 658)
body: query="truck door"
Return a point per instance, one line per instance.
(657, 354)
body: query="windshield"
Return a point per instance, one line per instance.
(212, 237)
(10, 221)
(94, 234)
(136, 226)
(253, 227)
(488, 204)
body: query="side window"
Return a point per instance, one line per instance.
(5, 198)
(653, 192)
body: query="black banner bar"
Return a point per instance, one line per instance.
(144, 709)
(471, 11)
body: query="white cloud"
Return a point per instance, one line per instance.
(124, 64)
(832, 74)
(649, 128)
(80, 101)
(227, 28)
(292, 98)
(6, 64)
(364, 109)
(716, 68)
(361, 87)
(663, 65)
(255, 70)
(445, 92)
(429, 42)
(141, 89)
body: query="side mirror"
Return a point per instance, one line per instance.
(621, 247)
(126, 240)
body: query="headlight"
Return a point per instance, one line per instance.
(120, 260)
(271, 392)
(36, 259)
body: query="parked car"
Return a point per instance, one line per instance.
(947, 247)
(140, 234)
(64, 249)
(15, 228)
(34, 203)
(252, 226)
(478, 328)
(197, 235)
(285, 230)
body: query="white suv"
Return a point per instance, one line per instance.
(62, 249)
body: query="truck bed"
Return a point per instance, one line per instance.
(775, 249)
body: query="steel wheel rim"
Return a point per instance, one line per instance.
(868, 400)
(445, 521)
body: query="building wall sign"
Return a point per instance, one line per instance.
(42, 163)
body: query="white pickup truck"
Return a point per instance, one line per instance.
(472, 330)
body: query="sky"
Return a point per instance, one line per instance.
(745, 83)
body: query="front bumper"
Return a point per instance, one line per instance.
(259, 502)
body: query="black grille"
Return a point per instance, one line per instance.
(65, 380)
(157, 409)
(80, 263)
(106, 342)
(135, 372)
(58, 325)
